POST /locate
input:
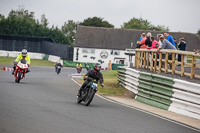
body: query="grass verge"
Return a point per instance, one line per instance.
(34, 62)
(111, 88)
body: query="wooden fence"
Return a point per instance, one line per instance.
(148, 59)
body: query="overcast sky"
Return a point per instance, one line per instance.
(179, 15)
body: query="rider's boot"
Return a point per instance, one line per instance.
(13, 70)
(27, 71)
(79, 93)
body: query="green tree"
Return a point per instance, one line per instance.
(198, 32)
(69, 28)
(44, 20)
(141, 24)
(22, 22)
(96, 22)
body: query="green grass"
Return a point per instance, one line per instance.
(190, 57)
(111, 86)
(34, 62)
(197, 57)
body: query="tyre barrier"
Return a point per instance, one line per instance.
(170, 94)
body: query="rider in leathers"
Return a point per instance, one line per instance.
(94, 74)
(23, 55)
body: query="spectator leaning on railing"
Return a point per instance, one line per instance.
(155, 44)
(141, 36)
(142, 42)
(158, 37)
(169, 38)
(166, 45)
(148, 41)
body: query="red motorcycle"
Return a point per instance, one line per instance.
(78, 68)
(20, 70)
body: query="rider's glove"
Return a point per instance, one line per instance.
(102, 84)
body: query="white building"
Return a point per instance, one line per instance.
(103, 56)
(97, 44)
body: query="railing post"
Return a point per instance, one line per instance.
(166, 62)
(160, 62)
(141, 59)
(148, 54)
(192, 67)
(155, 62)
(138, 59)
(173, 63)
(151, 66)
(182, 65)
(145, 55)
(135, 58)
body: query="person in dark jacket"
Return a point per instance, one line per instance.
(148, 40)
(181, 46)
(94, 74)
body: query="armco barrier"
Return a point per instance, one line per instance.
(13, 53)
(175, 95)
(3, 53)
(53, 58)
(36, 55)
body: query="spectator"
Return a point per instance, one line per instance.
(141, 37)
(110, 65)
(169, 38)
(148, 41)
(175, 42)
(158, 37)
(142, 42)
(155, 43)
(181, 46)
(166, 45)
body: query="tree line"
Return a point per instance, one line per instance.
(21, 22)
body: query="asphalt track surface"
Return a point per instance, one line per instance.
(46, 103)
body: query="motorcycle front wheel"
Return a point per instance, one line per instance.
(19, 77)
(90, 97)
(84, 94)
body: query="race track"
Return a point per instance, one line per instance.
(46, 103)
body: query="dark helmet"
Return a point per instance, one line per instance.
(97, 67)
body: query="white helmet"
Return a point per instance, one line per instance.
(24, 52)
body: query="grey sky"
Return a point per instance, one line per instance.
(179, 15)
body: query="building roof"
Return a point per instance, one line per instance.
(121, 39)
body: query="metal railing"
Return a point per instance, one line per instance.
(149, 59)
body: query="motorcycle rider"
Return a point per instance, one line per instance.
(21, 56)
(79, 64)
(87, 67)
(58, 64)
(94, 74)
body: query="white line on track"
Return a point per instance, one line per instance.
(107, 99)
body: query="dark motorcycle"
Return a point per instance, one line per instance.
(58, 69)
(20, 70)
(87, 94)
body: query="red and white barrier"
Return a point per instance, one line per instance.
(7, 69)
